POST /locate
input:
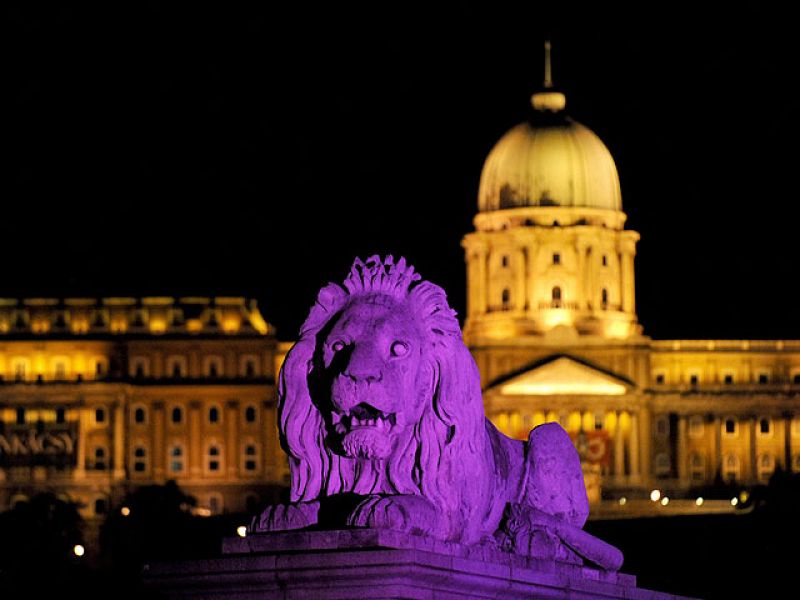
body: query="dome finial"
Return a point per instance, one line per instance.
(548, 73)
(548, 99)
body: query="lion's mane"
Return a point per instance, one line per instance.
(442, 457)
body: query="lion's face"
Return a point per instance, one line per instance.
(372, 366)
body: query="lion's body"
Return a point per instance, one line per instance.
(381, 399)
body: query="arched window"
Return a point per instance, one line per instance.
(212, 367)
(100, 457)
(213, 415)
(766, 466)
(764, 426)
(504, 260)
(731, 426)
(698, 465)
(176, 458)
(556, 296)
(730, 468)
(250, 457)
(177, 367)
(177, 415)
(213, 457)
(140, 459)
(604, 298)
(506, 299)
(250, 414)
(139, 415)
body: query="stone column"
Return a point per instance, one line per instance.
(119, 439)
(519, 279)
(232, 453)
(619, 450)
(582, 300)
(628, 291)
(481, 283)
(715, 448)
(636, 474)
(753, 448)
(195, 448)
(472, 283)
(80, 459)
(533, 302)
(645, 437)
(787, 441)
(681, 449)
(157, 458)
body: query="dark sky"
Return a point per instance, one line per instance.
(158, 149)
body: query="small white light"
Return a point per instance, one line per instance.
(665, 501)
(734, 501)
(78, 550)
(125, 511)
(623, 501)
(655, 495)
(699, 501)
(242, 531)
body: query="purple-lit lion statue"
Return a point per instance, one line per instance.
(380, 404)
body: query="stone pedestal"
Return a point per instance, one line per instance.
(371, 563)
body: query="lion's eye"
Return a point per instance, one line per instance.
(399, 349)
(337, 346)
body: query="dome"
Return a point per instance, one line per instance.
(550, 160)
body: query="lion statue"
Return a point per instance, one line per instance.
(381, 414)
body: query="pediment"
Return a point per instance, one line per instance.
(563, 376)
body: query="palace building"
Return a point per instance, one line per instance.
(98, 397)
(551, 321)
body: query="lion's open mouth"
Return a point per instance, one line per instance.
(363, 416)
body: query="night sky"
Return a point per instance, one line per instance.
(183, 150)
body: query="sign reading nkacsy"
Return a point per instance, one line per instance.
(38, 445)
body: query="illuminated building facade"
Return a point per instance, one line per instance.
(100, 396)
(551, 321)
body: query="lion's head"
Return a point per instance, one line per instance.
(380, 395)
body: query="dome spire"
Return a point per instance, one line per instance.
(548, 73)
(548, 100)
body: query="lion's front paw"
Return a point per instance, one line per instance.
(280, 517)
(412, 514)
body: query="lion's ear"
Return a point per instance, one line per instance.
(330, 300)
(301, 424)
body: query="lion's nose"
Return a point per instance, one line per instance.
(364, 365)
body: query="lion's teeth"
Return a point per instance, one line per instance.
(336, 417)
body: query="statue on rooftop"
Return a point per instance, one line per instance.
(380, 405)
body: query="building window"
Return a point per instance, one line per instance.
(20, 371)
(504, 260)
(598, 422)
(140, 367)
(20, 416)
(694, 379)
(250, 458)
(100, 458)
(213, 457)
(176, 367)
(248, 367)
(139, 415)
(765, 426)
(730, 468)
(698, 466)
(250, 414)
(60, 371)
(176, 458)
(662, 465)
(731, 426)
(99, 369)
(61, 415)
(763, 378)
(213, 367)
(766, 466)
(604, 299)
(100, 415)
(605, 260)
(796, 379)
(662, 425)
(177, 415)
(555, 294)
(213, 415)
(505, 299)
(100, 506)
(139, 459)
(661, 378)
(556, 258)
(728, 378)
(696, 426)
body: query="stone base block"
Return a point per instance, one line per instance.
(371, 563)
